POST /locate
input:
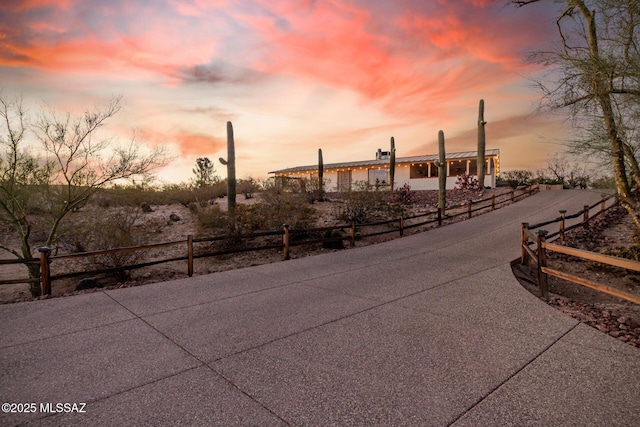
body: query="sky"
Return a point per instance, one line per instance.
(291, 75)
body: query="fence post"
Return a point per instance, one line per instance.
(562, 215)
(45, 272)
(524, 240)
(189, 255)
(470, 205)
(513, 195)
(603, 199)
(585, 217)
(439, 217)
(542, 262)
(401, 226)
(285, 240)
(493, 202)
(352, 232)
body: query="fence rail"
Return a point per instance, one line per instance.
(542, 241)
(289, 238)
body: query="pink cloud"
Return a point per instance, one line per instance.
(190, 144)
(402, 60)
(109, 39)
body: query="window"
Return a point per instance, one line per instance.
(473, 167)
(433, 170)
(378, 176)
(423, 170)
(418, 171)
(457, 167)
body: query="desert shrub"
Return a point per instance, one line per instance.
(403, 195)
(251, 218)
(113, 228)
(628, 252)
(179, 193)
(467, 182)
(212, 217)
(130, 195)
(311, 189)
(604, 183)
(248, 187)
(516, 178)
(365, 204)
(283, 207)
(193, 207)
(219, 189)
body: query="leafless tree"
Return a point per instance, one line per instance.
(73, 165)
(595, 77)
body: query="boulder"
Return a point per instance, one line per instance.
(88, 283)
(145, 207)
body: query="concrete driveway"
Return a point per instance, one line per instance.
(428, 330)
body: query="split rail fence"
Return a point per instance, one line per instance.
(536, 245)
(287, 238)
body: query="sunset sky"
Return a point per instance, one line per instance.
(292, 75)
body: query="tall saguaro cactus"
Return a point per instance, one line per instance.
(442, 173)
(481, 144)
(392, 163)
(231, 170)
(320, 175)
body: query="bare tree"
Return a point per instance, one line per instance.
(77, 164)
(568, 170)
(595, 77)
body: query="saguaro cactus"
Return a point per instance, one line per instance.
(320, 175)
(481, 144)
(231, 169)
(442, 173)
(392, 163)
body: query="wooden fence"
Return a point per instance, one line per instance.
(286, 239)
(542, 239)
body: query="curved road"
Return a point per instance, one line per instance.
(430, 329)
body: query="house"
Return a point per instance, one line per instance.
(420, 172)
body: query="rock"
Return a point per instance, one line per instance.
(622, 320)
(334, 244)
(174, 217)
(602, 328)
(88, 283)
(146, 207)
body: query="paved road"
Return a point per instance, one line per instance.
(430, 329)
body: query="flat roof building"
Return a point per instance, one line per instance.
(420, 172)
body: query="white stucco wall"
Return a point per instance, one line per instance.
(402, 177)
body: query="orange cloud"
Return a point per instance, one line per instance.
(110, 39)
(328, 42)
(415, 55)
(189, 144)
